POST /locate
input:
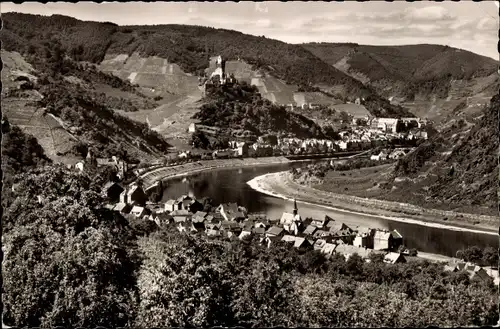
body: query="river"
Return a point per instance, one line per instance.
(230, 185)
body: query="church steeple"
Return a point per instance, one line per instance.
(295, 208)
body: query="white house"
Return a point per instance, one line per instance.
(192, 128)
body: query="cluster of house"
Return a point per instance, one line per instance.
(230, 220)
(474, 271)
(120, 165)
(386, 154)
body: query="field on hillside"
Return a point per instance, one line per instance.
(353, 109)
(359, 182)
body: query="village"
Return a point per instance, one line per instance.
(357, 137)
(230, 220)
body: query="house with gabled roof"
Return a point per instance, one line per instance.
(321, 223)
(172, 205)
(310, 230)
(123, 208)
(213, 233)
(183, 213)
(328, 249)
(320, 234)
(231, 212)
(364, 237)
(163, 219)
(348, 250)
(288, 238)
(303, 243)
(230, 226)
(199, 217)
(275, 231)
(112, 191)
(319, 244)
(381, 240)
(138, 211)
(478, 272)
(134, 195)
(455, 266)
(213, 226)
(394, 258)
(244, 234)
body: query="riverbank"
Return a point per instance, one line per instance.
(152, 177)
(281, 185)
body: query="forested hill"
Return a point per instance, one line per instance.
(187, 46)
(61, 107)
(409, 70)
(239, 106)
(458, 166)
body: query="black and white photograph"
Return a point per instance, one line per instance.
(250, 164)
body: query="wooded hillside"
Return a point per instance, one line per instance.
(188, 46)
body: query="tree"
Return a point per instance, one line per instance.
(490, 256)
(180, 287)
(199, 140)
(71, 255)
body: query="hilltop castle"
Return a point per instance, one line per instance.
(220, 70)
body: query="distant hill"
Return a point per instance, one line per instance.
(187, 46)
(418, 74)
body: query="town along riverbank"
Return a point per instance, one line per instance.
(282, 185)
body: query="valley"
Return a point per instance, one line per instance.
(175, 175)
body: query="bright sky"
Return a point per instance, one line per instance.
(464, 24)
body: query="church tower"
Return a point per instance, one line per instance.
(295, 208)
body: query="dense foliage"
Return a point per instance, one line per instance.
(20, 153)
(487, 256)
(239, 106)
(69, 262)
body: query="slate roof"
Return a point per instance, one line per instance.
(319, 244)
(393, 257)
(310, 230)
(182, 212)
(275, 230)
(396, 235)
(244, 233)
(328, 248)
(137, 210)
(259, 230)
(120, 206)
(348, 250)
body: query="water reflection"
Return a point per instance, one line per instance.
(229, 185)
